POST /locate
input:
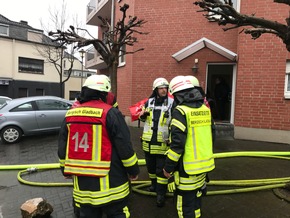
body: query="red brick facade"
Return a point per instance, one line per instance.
(173, 25)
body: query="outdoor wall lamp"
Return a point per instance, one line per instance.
(195, 66)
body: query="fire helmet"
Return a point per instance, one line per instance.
(193, 80)
(98, 82)
(159, 83)
(179, 83)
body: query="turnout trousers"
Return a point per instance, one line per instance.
(155, 164)
(188, 203)
(117, 209)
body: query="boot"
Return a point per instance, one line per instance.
(160, 200)
(152, 188)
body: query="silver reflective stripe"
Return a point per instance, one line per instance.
(194, 143)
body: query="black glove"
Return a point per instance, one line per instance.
(203, 190)
(144, 116)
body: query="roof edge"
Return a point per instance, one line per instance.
(200, 44)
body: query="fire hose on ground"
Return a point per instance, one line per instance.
(138, 186)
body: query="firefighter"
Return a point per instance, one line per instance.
(190, 156)
(156, 114)
(110, 99)
(95, 149)
(196, 85)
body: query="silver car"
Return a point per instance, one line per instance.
(30, 116)
(3, 99)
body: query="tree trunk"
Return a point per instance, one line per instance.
(113, 73)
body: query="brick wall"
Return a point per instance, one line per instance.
(174, 25)
(261, 73)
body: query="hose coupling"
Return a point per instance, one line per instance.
(31, 170)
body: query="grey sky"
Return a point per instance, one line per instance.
(33, 11)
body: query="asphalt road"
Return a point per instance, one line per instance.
(43, 149)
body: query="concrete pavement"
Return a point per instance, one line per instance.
(43, 149)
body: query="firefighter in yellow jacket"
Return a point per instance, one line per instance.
(156, 116)
(190, 156)
(95, 149)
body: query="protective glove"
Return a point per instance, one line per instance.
(144, 114)
(171, 184)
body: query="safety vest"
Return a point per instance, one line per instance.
(198, 152)
(88, 145)
(163, 124)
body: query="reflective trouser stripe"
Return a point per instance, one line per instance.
(197, 213)
(179, 206)
(152, 176)
(188, 203)
(102, 196)
(197, 207)
(126, 212)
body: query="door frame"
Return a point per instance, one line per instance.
(233, 85)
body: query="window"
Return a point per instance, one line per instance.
(39, 91)
(52, 105)
(287, 81)
(122, 60)
(78, 73)
(4, 30)
(24, 107)
(74, 73)
(28, 65)
(236, 5)
(22, 92)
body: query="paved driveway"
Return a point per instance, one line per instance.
(43, 149)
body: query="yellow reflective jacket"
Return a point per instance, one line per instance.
(198, 152)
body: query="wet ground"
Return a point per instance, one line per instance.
(246, 204)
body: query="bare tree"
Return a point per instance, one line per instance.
(57, 55)
(223, 13)
(111, 47)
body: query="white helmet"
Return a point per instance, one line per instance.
(159, 83)
(98, 82)
(179, 83)
(193, 80)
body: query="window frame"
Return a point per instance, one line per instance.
(30, 65)
(122, 56)
(287, 81)
(7, 30)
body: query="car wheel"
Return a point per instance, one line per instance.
(11, 134)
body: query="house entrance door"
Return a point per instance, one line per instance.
(219, 91)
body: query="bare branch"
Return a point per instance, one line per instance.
(110, 47)
(224, 14)
(287, 2)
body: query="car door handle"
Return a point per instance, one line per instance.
(42, 115)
